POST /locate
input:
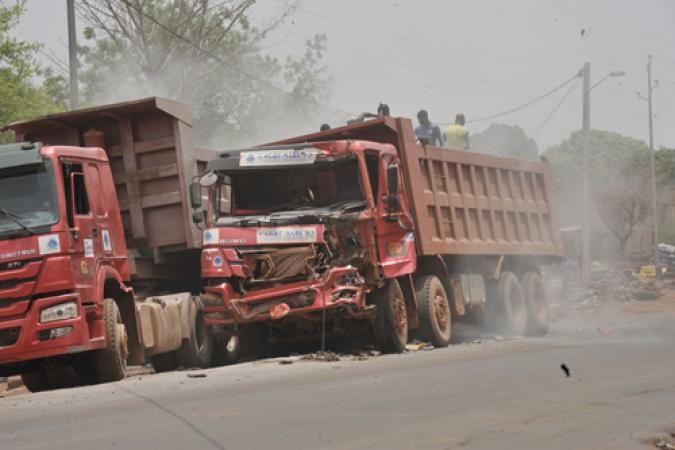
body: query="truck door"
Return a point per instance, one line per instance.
(395, 228)
(82, 224)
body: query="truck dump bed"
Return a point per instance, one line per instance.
(150, 146)
(464, 202)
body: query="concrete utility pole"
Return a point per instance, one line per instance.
(586, 226)
(72, 54)
(652, 166)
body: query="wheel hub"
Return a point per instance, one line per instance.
(441, 312)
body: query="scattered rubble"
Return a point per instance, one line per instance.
(326, 356)
(614, 286)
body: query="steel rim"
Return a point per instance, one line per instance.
(400, 319)
(441, 312)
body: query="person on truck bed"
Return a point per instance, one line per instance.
(430, 132)
(457, 135)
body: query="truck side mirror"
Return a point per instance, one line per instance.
(195, 195)
(198, 217)
(392, 180)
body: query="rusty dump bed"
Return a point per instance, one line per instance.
(152, 156)
(467, 203)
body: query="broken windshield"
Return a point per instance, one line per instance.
(287, 189)
(28, 195)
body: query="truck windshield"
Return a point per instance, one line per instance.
(287, 189)
(27, 197)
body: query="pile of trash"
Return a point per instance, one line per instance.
(614, 286)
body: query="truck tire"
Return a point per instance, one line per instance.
(507, 311)
(433, 310)
(391, 321)
(164, 362)
(197, 350)
(35, 381)
(111, 362)
(226, 351)
(537, 304)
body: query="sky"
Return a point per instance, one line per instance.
(479, 57)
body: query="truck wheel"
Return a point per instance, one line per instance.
(35, 381)
(164, 362)
(62, 377)
(111, 362)
(391, 320)
(508, 313)
(226, 351)
(433, 310)
(197, 350)
(537, 304)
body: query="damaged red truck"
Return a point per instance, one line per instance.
(361, 229)
(93, 238)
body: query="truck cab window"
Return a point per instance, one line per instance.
(373, 166)
(81, 199)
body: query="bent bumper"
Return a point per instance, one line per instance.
(338, 288)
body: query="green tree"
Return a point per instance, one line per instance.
(505, 140)
(208, 54)
(619, 166)
(19, 70)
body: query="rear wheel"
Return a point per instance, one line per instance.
(197, 350)
(164, 362)
(507, 309)
(391, 321)
(433, 310)
(537, 304)
(111, 362)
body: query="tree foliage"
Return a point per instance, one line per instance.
(21, 96)
(505, 140)
(207, 53)
(619, 168)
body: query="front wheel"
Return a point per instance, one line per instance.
(391, 320)
(111, 361)
(226, 350)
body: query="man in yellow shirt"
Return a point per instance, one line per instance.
(457, 135)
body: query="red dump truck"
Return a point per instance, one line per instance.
(95, 243)
(361, 229)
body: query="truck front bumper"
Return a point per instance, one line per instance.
(339, 288)
(25, 338)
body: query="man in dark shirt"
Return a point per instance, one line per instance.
(427, 130)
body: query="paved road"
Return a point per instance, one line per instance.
(489, 395)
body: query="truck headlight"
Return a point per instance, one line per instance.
(61, 311)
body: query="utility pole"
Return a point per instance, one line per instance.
(72, 54)
(586, 197)
(652, 167)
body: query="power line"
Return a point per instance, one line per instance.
(540, 128)
(418, 68)
(223, 61)
(525, 105)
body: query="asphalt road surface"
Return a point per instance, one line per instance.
(504, 394)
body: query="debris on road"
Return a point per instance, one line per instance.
(196, 375)
(326, 356)
(565, 369)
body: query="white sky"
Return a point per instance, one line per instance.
(476, 57)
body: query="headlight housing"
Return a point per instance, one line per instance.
(61, 311)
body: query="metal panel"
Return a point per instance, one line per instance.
(150, 146)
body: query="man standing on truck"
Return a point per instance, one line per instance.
(428, 131)
(457, 135)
